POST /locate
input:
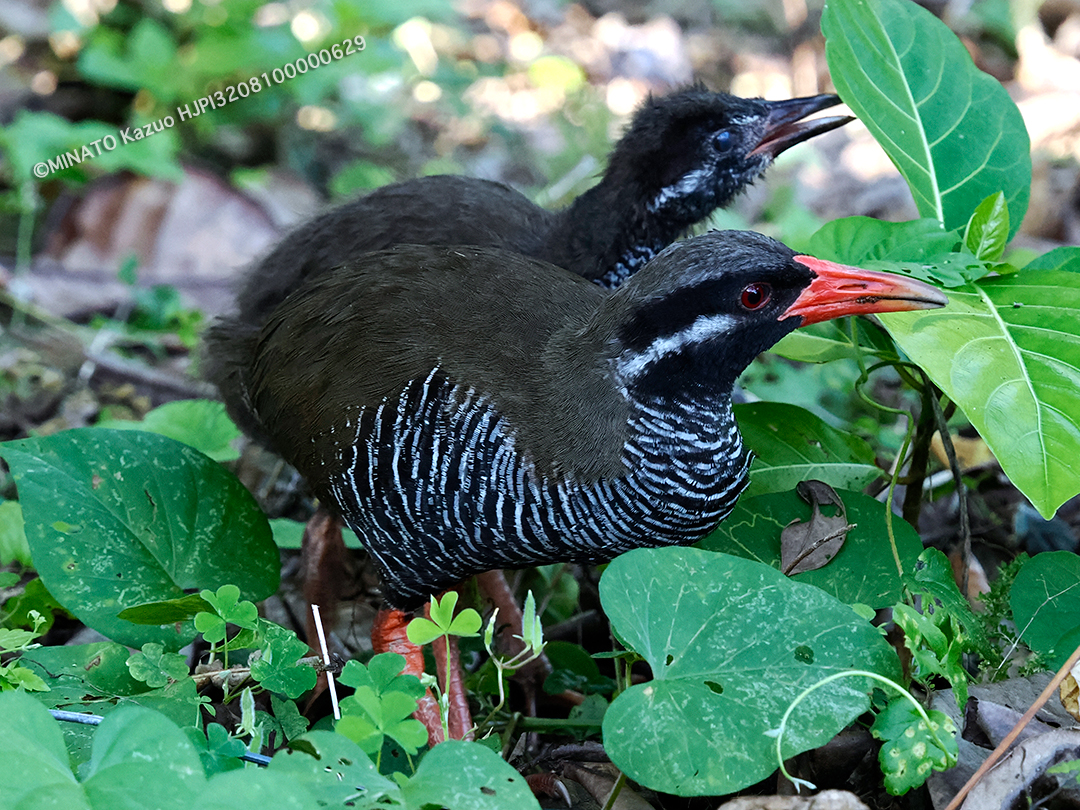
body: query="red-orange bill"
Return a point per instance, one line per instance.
(838, 290)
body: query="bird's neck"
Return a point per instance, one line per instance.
(623, 235)
(688, 440)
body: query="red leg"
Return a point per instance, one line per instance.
(388, 635)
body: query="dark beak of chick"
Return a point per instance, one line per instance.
(839, 290)
(784, 127)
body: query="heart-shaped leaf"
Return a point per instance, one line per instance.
(731, 644)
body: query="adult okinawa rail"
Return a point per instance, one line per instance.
(469, 408)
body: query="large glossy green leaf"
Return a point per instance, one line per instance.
(1007, 351)
(117, 518)
(862, 572)
(952, 130)
(731, 644)
(791, 444)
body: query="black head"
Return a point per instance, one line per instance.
(689, 153)
(702, 310)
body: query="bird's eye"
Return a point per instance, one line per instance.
(723, 140)
(755, 296)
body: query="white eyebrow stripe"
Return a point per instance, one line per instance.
(702, 329)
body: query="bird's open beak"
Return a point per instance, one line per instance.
(841, 290)
(784, 129)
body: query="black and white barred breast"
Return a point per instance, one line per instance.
(436, 487)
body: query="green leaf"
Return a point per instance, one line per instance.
(1045, 601)
(213, 627)
(791, 444)
(832, 340)
(384, 673)
(911, 750)
(336, 772)
(13, 545)
(720, 682)
(277, 669)
(863, 572)
(459, 775)
(937, 645)
(292, 723)
(933, 578)
(145, 58)
(35, 597)
(987, 231)
(199, 423)
(33, 752)
(218, 750)
(155, 667)
(35, 137)
(466, 624)
(442, 610)
(951, 130)
(1066, 258)
(920, 249)
(168, 611)
(422, 631)
(91, 677)
(863, 240)
(1007, 351)
(121, 518)
(16, 676)
(290, 534)
(255, 788)
(367, 718)
(143, 760)
(228, 605)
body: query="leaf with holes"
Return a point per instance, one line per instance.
(118, 518)
(951, 130)
(791, 444)
(1007, 351)
(336, 772)
(910, 749)
(460, 775)
(720, 681)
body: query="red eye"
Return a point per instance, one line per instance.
(756, 295)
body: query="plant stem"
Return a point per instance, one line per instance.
(961, 490)
(835, 677)
(920, 457)
(616, 789)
